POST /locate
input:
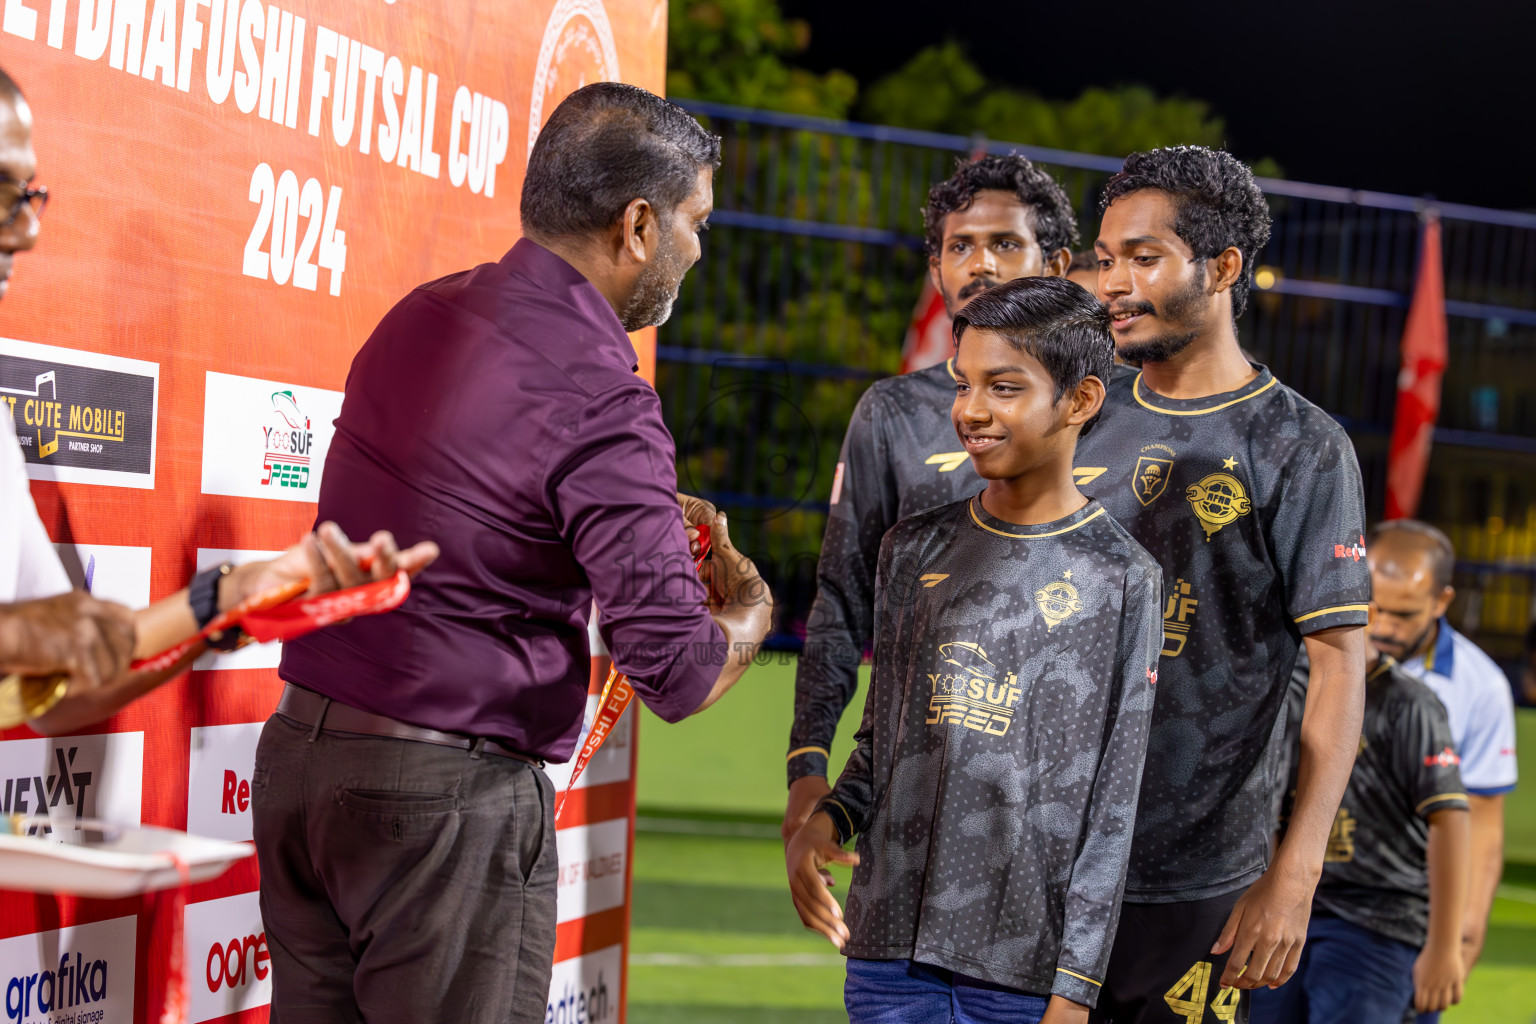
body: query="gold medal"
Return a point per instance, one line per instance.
(23, 698)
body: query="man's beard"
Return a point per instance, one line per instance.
(1403, 653)
(656, 288)
(1178, 311)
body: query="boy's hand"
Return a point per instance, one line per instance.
(1062, 1010)
(1438, 976)
(813, 848)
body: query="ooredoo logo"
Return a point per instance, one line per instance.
(78, 975)
(227, 957)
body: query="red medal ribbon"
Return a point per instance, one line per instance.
(617, 693)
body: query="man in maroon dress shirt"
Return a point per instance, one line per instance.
(405, 833)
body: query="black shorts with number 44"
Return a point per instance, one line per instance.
(1161, 970)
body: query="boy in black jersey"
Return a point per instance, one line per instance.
(1386, 919)
(1250, 498)
(995, 219)
(993, 786)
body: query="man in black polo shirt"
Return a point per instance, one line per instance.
(1250, 498)
(996, 219)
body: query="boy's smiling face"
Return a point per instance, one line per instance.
(1005, 410)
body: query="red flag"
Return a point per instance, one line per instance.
(928, 338)
(1418, 382)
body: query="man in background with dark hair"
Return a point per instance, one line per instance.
(1411, 566)
(1250, 498)
(994, 220)
(404, 829)
(1084, 270)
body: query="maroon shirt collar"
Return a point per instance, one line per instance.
(553, 276)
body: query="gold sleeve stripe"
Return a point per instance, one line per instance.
(1330, 611)
(823, 751)
(1437, 798)
(1031, 536)
(1136, 391)
(839, 805)
(1095, 984)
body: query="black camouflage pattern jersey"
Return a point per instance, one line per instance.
(1376, 869)
(993, 785)
(1252, 503)
(899, 456)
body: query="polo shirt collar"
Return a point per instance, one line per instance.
(1442, 658)
(558, 279)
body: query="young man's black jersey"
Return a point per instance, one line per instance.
(1375, 872)
(1252, 503)
(993, 786)
(900, 456)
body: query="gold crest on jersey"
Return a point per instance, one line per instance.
(1058, 602)
(1151, 477)
(1218, 499)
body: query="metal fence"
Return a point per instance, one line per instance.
(814, 261)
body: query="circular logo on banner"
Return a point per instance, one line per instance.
(577, 50)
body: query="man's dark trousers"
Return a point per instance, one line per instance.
(402, 881)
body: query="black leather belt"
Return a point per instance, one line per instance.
(324, 714)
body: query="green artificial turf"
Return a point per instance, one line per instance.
(716, 939)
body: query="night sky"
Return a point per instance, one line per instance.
(1408, 97)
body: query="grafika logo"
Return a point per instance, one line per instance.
(36, 794)
(289, 441)
(77, 982)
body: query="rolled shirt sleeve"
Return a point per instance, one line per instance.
(614, 492)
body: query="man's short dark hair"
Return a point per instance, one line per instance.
(1219, 204)
(1441, 552)
(1055, 321)
(1050, 212)
(1085, 260)
(606, 145)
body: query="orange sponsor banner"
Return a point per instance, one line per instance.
(239, 191)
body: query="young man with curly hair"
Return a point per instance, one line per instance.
(1250, 498)
(996, 219)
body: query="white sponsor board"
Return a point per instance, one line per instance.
(108, 571)
(585, 989)
(610, 763)
(265, 438)
(79, 974)
(219, 780)
(228, 966)
(591, 868)
(74, 777)
(254, 655)
(81, 417)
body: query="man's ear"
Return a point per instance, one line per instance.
(933, 275)
(1056, 263)
(1229, 267)
(1443, 602)
(1085, 401)
(640, 232)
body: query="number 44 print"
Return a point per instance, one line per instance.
(1187, 996)
(282, 203)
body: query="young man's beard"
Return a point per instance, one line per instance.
(972, 288)
(656, 288)
(1180, 311)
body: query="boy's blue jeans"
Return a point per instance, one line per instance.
(1347, 975)
(904, 992)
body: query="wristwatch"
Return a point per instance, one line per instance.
(203, 596)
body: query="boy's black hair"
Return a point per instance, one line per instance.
(1050, 211)
(1219, 204)
(1052, 319)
